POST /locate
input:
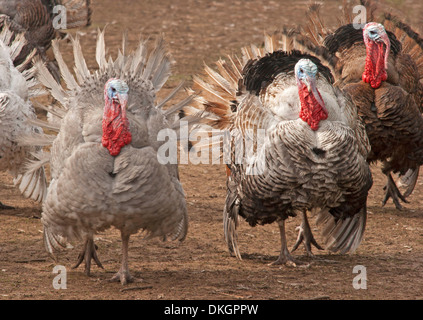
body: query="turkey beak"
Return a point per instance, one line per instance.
(384, 37)
(123, 101)
(312, 87)
(308, 83)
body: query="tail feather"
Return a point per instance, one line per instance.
(158, 65)
(46, 78)
(343, 235)
(230, 219)
(408, 181)
(81, 70)
(64, 70)
(33, 184)
(53, 242)
(412, 42)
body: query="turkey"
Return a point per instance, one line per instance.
(105, 169)
(16, 114)
(381, 66)
(36, 18)
(311, 155)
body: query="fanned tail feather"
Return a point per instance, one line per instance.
(408, 181)
(343, 235)
(15, 42)
(33, 184)
(53, 242)
(411, 41)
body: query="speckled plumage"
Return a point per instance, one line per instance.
(297, 169)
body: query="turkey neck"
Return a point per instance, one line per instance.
(116, 132)
(312, 108)
(376, 63)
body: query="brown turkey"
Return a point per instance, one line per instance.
(381, 66)
(35, 18)
(312, 154)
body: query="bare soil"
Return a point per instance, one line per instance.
(197, 32)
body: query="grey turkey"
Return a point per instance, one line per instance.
(380, 64)
(16, 116)
(313, 150)
(35, 18)
(104, 160)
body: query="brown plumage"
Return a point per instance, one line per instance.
(35, 18)
(390, 106)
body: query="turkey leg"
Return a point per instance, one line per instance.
(306, 235)
(393, 192)
(123, 274)
(284, 257)
(88, 253)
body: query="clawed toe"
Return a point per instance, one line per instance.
(393, 192)
(122, 277)
(88, 253)
(305, 235)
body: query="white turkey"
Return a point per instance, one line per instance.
(16, 114)
(104, 161)
(312, 155)
(42, 21)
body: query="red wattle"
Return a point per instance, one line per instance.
(116, 132)
(374, 69)
(311, 110)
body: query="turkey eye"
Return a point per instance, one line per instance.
(113, 90)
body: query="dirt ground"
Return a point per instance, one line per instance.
(197, 32)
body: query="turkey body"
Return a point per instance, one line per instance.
(390, 112)
(311, 154)
(380, 67)
(92, 190)
(104, 160)
(299, 169)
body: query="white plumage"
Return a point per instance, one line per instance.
(91, 189)
(16, 114)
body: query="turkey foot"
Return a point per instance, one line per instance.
(123, 276)
(284, 257)
(306, 235)
(88, 253)
(393, 192)
(5, 207)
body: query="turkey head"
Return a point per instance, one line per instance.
(116, 132)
